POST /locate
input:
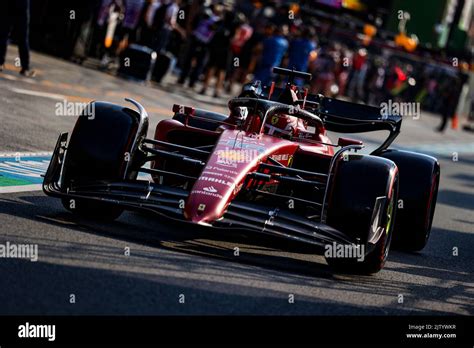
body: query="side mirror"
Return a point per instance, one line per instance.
(346, 142)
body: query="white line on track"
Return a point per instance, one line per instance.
(15, 78)
(25, 154)
(38, 94)
(21, 188)
(10, 77)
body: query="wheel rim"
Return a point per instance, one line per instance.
(430, 206)
(389, 224)
(390, 214)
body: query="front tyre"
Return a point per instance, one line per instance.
(99, 150)
(363, 206)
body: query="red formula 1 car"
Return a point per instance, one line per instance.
(266, 168)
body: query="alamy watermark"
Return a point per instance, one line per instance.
(19, 251)
(405, 109)
(28, 330)
(345, 251)
(231, 156)
(67, 108)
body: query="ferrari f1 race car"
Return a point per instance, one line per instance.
(266, 168)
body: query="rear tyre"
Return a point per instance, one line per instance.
(357, 185)
(419, 182)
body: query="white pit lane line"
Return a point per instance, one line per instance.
(53, 96)
(22, 188)
(18, 78)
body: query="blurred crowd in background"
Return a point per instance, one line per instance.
(219, 44)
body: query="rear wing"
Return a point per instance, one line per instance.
(342, 116)
(346, 117)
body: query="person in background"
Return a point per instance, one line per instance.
(302, 50)
(163, 23)
(219, 52)
(109, 20)
(450, 91)
(395, 80)
(464, 104)
(357, 74)
(323, 71)
(199, 45)
(375, 82)
(246, 60)
(126, 32)
(133, 10)
(80, 32)
(151, 7)
(272, 50)
(145, 33)
(15, 14)
(431, 90)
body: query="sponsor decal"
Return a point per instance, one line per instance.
(305, 135)
(281, 157)
(249, 145)
(210, 189)
(207, 172)
(205, 193)
(227, 164)
(223, 170)
(212, 173)
(217, 180)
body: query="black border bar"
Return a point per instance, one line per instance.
(221, 330)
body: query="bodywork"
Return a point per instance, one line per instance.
(231, 178)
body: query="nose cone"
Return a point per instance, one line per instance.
(233, 157)
(208, 199)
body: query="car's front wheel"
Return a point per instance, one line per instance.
(362, 204)
(99, 151)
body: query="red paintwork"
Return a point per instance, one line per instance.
(236, 154)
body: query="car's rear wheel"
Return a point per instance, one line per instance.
(362, 205)
(419, 182)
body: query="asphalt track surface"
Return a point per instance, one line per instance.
(87, 258)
